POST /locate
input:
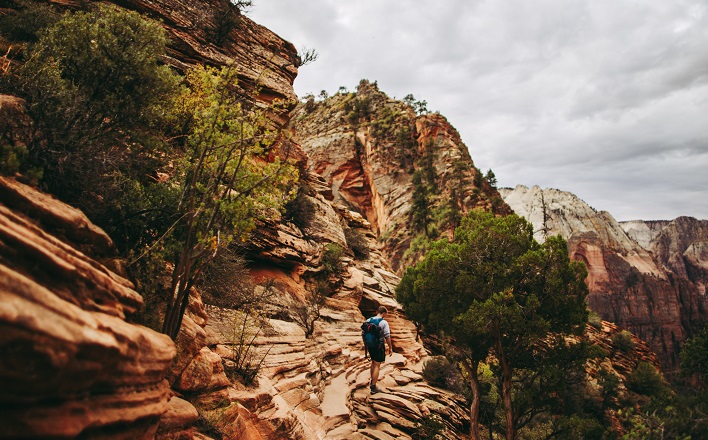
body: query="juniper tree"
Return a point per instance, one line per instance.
(494, 289)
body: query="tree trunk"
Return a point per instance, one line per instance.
(471, 366)
(506, 397)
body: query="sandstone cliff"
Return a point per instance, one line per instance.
(71, 365)
(628, 284)
(82, 370)
(680, 245)
(367, 147)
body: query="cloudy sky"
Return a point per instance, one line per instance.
(607, 99)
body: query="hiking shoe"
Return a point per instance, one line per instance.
(374, 389)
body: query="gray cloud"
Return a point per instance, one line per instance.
(604, 98)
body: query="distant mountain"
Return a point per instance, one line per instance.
(647, 277)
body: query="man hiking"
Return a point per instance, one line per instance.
(377, 336)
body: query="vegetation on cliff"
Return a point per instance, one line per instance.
(495, 290)
(178, 168)
(173, 167)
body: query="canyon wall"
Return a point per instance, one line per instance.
(71, 364)
(367, 146)
(644, 289)
(74, 365)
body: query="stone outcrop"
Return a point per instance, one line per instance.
(636, 287)
(71, 365)
(314, 386)
(256, 372)
(680, 245)
(215, 33)
(366, 146)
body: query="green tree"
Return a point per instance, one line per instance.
(493, 288)
(694, 356)
(96, 92)
(491, 178)
(420, 210)
(229, 176)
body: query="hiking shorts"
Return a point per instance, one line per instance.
(378, 353)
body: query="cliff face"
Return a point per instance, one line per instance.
(680, 245)
(628, 284)
(367, 147)
(82, 370)
(71, 364)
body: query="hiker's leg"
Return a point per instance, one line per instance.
(375, 367)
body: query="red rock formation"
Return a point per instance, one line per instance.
(71, 365)
(262, 58)
(654, 299)
(367, 160)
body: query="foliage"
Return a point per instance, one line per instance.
(227, 178)
(331, 257)
(307, 312)
(610, 386)
(646, 380)
(641, 426)
(439, 372)
(356, 242)
(27, 21)
(405, 146)
(245, 363)
(301, 210)
(694, 356)
(227, 282)
(623, 341)
(420, 208)
(12, 159)
(97, 94)
(357, 108)
(594, 320)
(227, 16)
(428, 428)
(420, 107)
(491, 178)
(306, 56)
(495, 289)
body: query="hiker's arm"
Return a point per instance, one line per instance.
(390, 345)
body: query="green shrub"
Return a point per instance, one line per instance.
(331, 257)
(595, 320)
(356, 242)
(301, 210)
(623, 341)
(27, 21)
(439, 372)
(610, 385)
(95, 90)
(12, 159)
(428, 428)
(646, 380)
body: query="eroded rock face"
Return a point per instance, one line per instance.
(71, 365)
(316, 386)
(680, 245)
(198, 33)
(629, 285)
(366, 146)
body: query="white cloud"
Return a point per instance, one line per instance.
(604, 98)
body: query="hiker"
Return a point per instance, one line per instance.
(376, 339)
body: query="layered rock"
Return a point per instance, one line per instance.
(71, 365)
(216, 33)
(366, 146)
(314, 386)
(628, 285)
(680, 245)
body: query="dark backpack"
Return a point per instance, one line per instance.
(371, 332)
